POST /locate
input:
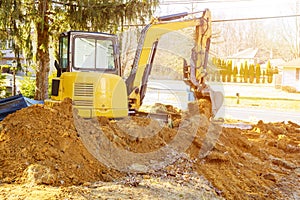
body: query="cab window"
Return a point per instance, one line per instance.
(93, 54)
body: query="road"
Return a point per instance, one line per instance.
(175, 93)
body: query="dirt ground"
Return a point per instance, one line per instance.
(51, 153)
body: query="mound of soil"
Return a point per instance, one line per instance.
(40, 144)
(259, 163)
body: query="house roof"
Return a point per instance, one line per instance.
(292, 63)
(277, 62)
(245, 54)
(9, 54)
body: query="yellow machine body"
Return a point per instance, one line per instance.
(94, 94)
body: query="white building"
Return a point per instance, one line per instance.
(291, 74)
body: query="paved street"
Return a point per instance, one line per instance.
(175, 93)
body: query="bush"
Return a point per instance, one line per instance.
(28, 87)
(289, 89)
(257, 73)
(246, 72)
(235, 72)
(2, 82)
(269, 72)
(251, 73)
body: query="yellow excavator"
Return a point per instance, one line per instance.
(89, 70)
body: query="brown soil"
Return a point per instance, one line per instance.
(40, 144)
(46, 147)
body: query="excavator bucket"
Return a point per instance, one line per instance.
(217, 99)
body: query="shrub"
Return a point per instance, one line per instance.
(269, 72)
(235, 72)
(251, 73)
(2, 82)
(289, 89)
(28, 87)
(257, 73)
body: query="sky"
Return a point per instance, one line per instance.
(228, 9)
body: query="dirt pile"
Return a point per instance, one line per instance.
(56, 147)
(260, 163)
(40, 145)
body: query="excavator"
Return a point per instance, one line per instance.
(89, 69)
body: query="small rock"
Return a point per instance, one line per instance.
(270, 177)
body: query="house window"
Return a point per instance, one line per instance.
(298, 74)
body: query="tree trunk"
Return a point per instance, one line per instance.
(42, 53)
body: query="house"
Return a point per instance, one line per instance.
(7, 57)
(256, 56)
(291, 74)
(248, 55)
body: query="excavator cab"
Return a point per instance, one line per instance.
(88, 72)
(88, 51)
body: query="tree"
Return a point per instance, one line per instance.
(257, 73)
(246, 72)
(235, 72)
(288, 34)
(2, 81)
(52, 17)
(224, 70)
(241, 72)
(251, 73)
(229, 70)
(264, 76)
(269, 72)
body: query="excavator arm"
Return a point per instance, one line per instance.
(193, 75)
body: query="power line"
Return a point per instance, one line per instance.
(202, 1)
(233, 20)
(255, 18)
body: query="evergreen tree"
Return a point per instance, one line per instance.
(241, 73)
(224, 70)
(235, 72)
(49, 18)
(229, 70)
(269, 72)
(219, 73)
(257, 73)
(2, 82)
(251, 73)
(246, 72)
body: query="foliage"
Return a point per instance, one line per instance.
(264, 76)
(223, 70)
(27, 87)
(269, 72)
(229, 70)
(251, 73)
(235, 73)
(49, 18)
(241, 72)
(2, 82)
(257, 73)
(246, 72)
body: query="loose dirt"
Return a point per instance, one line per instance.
(44, 155)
